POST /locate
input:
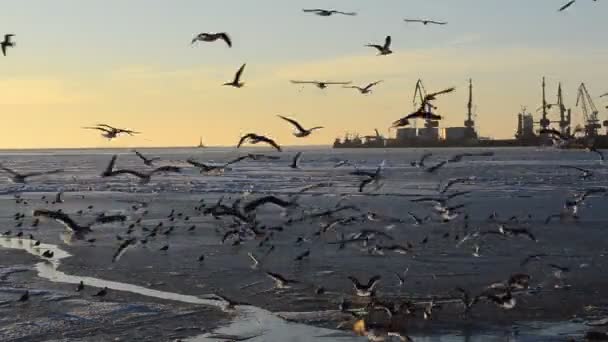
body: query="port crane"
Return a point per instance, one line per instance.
(419, 96)
(592, 123)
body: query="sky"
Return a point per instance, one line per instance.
(130, 64)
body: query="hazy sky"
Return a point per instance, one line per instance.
(129, 63)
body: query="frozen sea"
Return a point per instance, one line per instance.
(518, 187)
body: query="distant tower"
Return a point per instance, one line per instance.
(544, 121)
(469, 123)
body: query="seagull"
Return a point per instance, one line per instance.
(371, 177)
(327, 13)
(568, 4)
(253, 205)
(366, 290)
(205, 167)
(302, 132)
(296, 161)
(425, 21)
(148, 162)
(7, 42)
(24, 297)
(585, 174)
(254, 139)
(62, 218)
(237, 78)
(364, 90)
(101, 293)
(254, 259)
(320, 84)
(211, 37)
(383, 49)
(111, 132)
(280, 281)
(144, 177)
(21, 177)
(420, 163)
(48, 254)
(467, 300)
(425, 115)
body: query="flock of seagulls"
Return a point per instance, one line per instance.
(241, 223)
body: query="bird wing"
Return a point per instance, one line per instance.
(276, 277)
(167, 168)
(141, 156)
(568, 4)
(244, 138)
(237, 76)
(424, 157)
(369, 86)
(436, 167)
(42, 173)
(313, 10)
(224, 36)
(129, 172)
(3, 49)
(263, 200)
(346, 13)
(413, 20)
(110, 167)
(293, 122)
(107, 126)
(296, 160)
(364, 183)
(387, 42)
(303, 82)
(437, 22)
(445, 91)
(345, 83)
(59, 217)
(13, 173)
(375, 46)
(271, 143)
(373, 280)
(99, 128)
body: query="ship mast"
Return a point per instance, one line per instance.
(544, 122)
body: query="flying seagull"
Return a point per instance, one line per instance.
(212, 37)
(253, 138)
(62, 218)
(320, 84)
(147, 161)
(383, 49)
(425, 21)
(280, 281)
(7, 42)
(111, 132)
(21, 177)
(237, 78)
(364, 90)
(302, 132)
(327, 13)
(144, 177)
(365, 290)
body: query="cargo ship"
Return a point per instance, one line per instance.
(527, 134)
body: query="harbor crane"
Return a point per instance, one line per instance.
(592, 123)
